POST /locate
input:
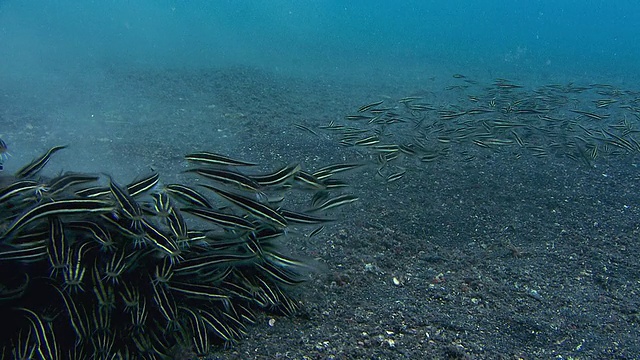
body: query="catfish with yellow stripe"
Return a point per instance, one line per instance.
(253, 207)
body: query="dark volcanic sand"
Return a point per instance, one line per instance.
(495, 258)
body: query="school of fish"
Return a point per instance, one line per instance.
(90, 268)
(585, 124)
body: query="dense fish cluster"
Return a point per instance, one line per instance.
(90, 268)
(582, 123)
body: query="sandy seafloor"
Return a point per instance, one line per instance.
(495, 258)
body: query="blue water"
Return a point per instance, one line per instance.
(570, 37)
(133, 85)
(58, 58)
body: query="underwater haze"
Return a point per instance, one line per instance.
(66, 52)
(449, 179)
(536, 37)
